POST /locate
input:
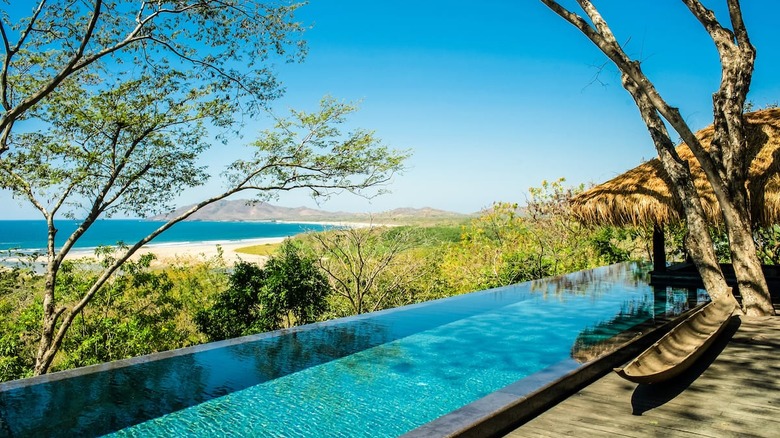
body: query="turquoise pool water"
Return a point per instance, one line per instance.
(379, 374)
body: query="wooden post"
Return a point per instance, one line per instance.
(660, 301)
(659, 249)
(693, 297)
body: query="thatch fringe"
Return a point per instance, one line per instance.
(642, 195)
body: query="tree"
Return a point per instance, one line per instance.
(288, 291)
(236, 311)
(366, 269)
(219, 46)
(727, 161)
(295, 290)
(134, 314)
(132, 148)
(558, 238)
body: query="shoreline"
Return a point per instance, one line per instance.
(167, 252)
(171, 251)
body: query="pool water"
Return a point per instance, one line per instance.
(380, 374)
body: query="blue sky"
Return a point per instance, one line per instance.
(493, 97)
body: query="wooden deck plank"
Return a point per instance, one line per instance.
(613, 424)
(733, 391)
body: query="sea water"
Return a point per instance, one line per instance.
(31, 235)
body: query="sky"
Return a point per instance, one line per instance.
(494, 97)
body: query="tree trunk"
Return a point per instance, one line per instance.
(46, 349)
(751, 282)
(726, 163)
(698, 240)
(730, 152)
(51, 314)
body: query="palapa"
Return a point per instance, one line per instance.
(642, 196)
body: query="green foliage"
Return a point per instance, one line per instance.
(509, 244)
(492, 252)
(308, 151)
(424, 236)
(236, 310)
(674, 240)
(220, 48)
(265, 249)
(290, 290)
(141, 310)
(131, 149)
(134, 314)
(767, 241)
(16, 281)
(295, 289)
(720, 240)
(20, 313)
(604, 241)
(768, 244)
(196, 283)
(560, 240)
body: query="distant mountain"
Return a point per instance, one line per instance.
(240, 210)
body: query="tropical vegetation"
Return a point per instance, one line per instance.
(141, 309)
(145, 308)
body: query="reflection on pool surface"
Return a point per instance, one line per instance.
(378, 374)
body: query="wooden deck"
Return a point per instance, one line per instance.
(732, 391)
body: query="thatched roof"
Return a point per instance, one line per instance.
(643, 196)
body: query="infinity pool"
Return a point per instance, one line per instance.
(380, 374)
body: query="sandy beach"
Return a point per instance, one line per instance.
(169, 252)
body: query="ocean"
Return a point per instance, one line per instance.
(30, 235)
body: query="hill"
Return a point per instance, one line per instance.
(240, 210)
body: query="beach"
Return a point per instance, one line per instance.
(169, 252)
(188, 248)
(166, 253)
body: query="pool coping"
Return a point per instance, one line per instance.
(515, 404)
